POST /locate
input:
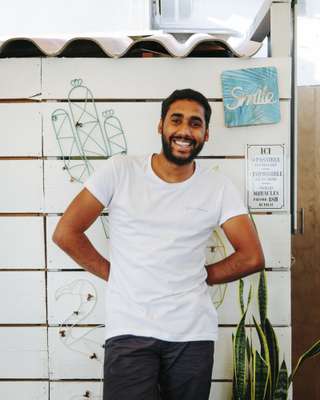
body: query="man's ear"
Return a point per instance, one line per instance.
(160, 126)
(206, 135)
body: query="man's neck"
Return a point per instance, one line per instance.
(170, 172)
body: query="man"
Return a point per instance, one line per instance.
(160, 321)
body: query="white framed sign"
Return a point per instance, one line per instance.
(265, 177)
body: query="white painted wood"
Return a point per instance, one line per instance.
(76, 390)
(60, 191)
(150, 78)
(234, 169)
(281, 29)
(58, 259)
(22, 297)
(273, 230)
(22, 242)
(20, 78)
(221, 391)
(275, 237)
(68, 363)
(22, 180)
(73, 361)
(19, 390)
(20, 129)
(222, 368)
(24, 353)
(274, 233)
(140, 121)
(232, 141)
(69, 291)
(279, 311)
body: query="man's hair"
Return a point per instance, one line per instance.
(187, 94)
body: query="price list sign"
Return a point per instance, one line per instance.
(265, 177)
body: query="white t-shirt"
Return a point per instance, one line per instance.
(158, 234)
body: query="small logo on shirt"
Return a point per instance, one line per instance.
(196, 209)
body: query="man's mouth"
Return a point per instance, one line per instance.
(183, 143)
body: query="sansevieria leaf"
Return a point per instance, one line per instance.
(239, 359)
(281, 392)
(260, 377)
(273, 348)
(263, 342)
(313, 351)
(241, 286)
(262, 298)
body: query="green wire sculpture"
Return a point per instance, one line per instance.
(82, 137)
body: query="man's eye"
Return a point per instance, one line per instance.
(175, 120)
(196, 124)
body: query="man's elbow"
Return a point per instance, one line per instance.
(60, 237)
(257, 262)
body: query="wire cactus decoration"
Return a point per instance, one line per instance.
(81, 136)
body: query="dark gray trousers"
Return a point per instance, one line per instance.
(145, 368)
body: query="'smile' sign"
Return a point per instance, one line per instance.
(251, 96)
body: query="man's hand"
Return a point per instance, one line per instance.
(248, 256)
(69, 233)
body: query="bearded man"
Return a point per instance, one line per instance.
(161, 325)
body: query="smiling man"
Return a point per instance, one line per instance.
(160, 322)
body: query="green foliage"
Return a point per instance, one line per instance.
(256, 374)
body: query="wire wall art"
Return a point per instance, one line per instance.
(83, 136)
(83, 344)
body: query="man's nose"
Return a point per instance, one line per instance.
(184, 128)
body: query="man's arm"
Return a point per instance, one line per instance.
(69, 233)
(248, 256)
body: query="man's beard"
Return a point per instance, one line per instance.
(166, 148)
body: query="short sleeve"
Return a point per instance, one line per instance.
(231, 202)
(101, 183)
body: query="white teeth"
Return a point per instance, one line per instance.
(183, 144)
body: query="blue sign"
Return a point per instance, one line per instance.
(251, 96)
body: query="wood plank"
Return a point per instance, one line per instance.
(18, 390)
(75, 390)
(23, 182)
(59, 191)
(281, 29)
(306, 250)
(279, 309)
(274, 233)
(74, 362)
(28, 232)
(21, 130)
(273, 230)
(17, 85)
(223, 351)
(149, 78)
(68, 292)
(22, 297)
(24, 353)
(140, 120)
(58, 259)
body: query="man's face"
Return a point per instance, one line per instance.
(183, 131)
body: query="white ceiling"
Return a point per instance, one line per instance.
(49, 18)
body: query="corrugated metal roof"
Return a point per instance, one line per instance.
(164, 44)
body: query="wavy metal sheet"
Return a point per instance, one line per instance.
(197, 45)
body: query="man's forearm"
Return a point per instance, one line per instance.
(234, 267)
(79, 247)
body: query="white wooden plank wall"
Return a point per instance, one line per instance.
(40, 286)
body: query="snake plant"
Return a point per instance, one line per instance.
(256, 373)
